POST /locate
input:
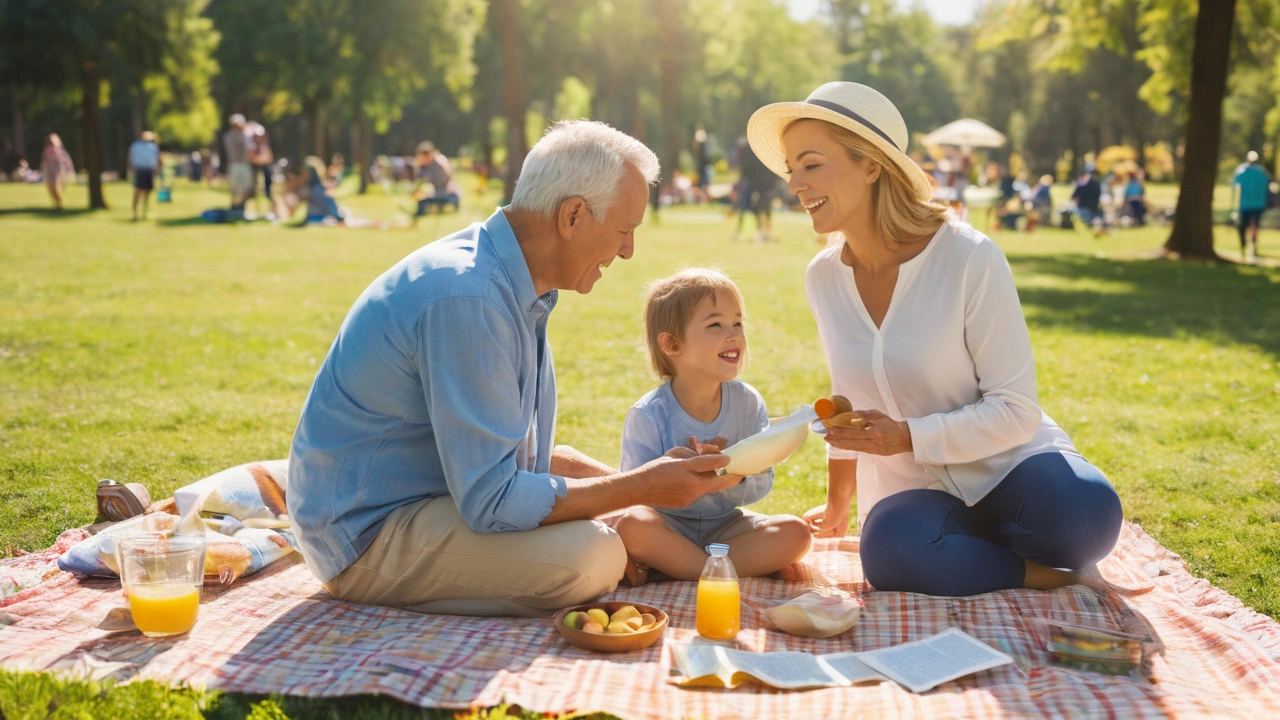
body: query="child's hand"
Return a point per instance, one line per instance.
(823, 524)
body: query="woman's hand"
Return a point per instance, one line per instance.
(882, 435)
(824, 525)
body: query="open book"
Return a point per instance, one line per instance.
(918, 666)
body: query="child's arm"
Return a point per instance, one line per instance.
(641, 441)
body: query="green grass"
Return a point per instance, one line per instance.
(162, 351)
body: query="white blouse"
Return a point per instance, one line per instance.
(952, 358)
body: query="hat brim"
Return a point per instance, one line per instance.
(764, 132)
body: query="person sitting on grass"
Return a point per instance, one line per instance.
(964, 485)
(436, 187)
(694, 330)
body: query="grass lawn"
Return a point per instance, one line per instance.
(162, 351)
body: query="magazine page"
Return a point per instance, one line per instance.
(849, 666)
(713, 665)
(924, 664)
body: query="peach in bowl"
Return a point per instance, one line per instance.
(611, 626)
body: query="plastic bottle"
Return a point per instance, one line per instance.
(719, 600)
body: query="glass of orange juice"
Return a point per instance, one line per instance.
(163, 577)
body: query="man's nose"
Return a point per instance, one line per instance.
(628, 248)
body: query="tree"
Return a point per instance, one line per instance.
(83, 43)
(515, 95)
(1192, 234)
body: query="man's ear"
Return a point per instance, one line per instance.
(668, 344)
(570, 215)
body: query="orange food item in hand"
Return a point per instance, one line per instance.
(826, 407)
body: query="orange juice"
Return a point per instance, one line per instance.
(719, 608)
(164, 609)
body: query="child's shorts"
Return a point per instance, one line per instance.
(705, 531)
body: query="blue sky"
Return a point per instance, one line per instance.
(950, 12)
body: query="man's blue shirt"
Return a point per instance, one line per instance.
(1254, 184)
(440, 383)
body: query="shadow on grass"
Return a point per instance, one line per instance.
(46, 212)
(1156, 298)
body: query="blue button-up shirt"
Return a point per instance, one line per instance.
(440, 383)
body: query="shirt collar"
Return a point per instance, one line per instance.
(507, 248)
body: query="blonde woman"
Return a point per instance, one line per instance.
(963, 484)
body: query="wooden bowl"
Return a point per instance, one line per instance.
(612, 642)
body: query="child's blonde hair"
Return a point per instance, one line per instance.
(669, 306)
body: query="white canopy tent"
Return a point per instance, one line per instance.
(966, 133)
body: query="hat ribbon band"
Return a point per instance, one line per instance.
(834, 107)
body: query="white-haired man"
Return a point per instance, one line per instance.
(423, 473)
(1251, 190)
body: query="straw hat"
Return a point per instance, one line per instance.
(854, 107)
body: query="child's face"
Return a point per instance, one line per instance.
(714, 342)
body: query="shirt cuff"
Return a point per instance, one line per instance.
(926, 433)
(835, 453)
(528, 501)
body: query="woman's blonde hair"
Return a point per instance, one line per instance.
(669, 305)
(898, 208)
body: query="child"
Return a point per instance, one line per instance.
(693, 327)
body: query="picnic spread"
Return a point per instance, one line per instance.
(274, 629)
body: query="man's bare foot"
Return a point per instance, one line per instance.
(635, 574)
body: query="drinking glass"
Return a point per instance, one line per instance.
(163, 576)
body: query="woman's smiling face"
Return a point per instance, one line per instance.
(833, 187)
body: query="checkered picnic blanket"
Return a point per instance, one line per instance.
(280, 632)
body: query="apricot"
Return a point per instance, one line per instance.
(598, 616)
(575, 620)
(593, 627)
(624, 613)
(647, 619)
(619, 627)
(633, 623)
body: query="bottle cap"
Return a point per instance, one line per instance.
(718, 550)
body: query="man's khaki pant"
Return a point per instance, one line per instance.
(427, 560)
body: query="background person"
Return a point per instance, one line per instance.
(424, 472)
(964, 485)
(1249, 189)
(434, 170)
(239, 171)
(56, 167)
(144, 158)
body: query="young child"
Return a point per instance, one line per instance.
(693, 328)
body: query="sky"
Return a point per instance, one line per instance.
(949, 12)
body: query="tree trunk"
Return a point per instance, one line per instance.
(669, 61)
(89, 97)
(1192, 235)
(19, 127)
(361, 142)
(515, 96)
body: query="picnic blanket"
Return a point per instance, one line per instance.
(280, 632)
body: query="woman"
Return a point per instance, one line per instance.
(56, 165)
(964, 485)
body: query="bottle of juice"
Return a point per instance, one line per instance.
(719, 601)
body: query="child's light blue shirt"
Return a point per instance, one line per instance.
(657, 423)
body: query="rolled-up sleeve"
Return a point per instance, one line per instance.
(995, 331)
(470, 367)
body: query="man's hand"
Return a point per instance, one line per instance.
(676, 482)
(882, 435)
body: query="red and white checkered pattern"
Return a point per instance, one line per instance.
(279, 632)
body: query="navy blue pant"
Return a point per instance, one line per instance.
(1053, 509)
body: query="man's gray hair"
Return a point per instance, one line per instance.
(580, 158)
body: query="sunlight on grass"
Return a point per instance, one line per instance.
(162, 351)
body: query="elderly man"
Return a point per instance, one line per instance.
(423, 474)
